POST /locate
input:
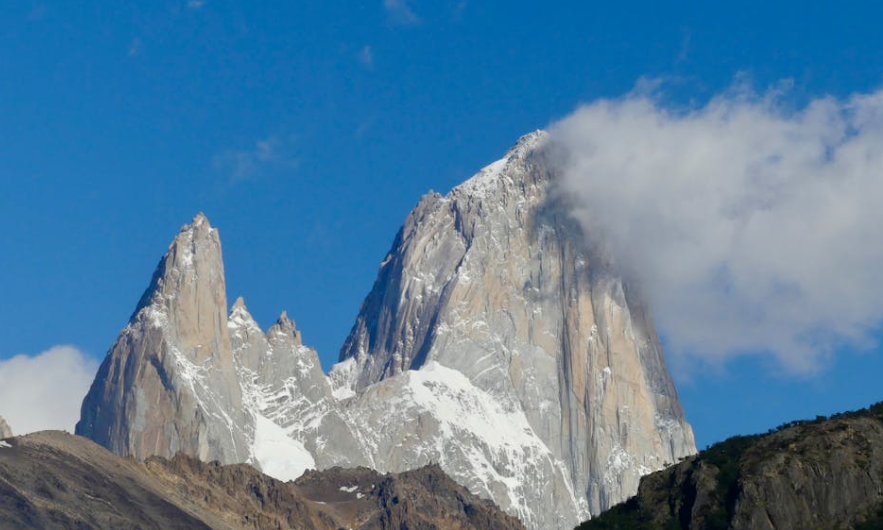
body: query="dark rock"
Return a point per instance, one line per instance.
(820, 474)
(54, 480)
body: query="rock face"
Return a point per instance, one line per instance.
(53, 480)
(298, 422)
(168, 383)
(5, 429)
(825, 474)
(495, 281)
(494, 343)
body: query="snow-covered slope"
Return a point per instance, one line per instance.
(493, 343)
(283, 384)
(436, 415)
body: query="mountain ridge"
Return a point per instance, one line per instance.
(489, 310)
(54, 480)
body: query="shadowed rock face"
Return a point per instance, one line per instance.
(53, 480)
(823, 474)
(5, 429)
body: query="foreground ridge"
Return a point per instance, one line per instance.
(825, 473)
(53, 480)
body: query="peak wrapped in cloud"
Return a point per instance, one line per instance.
(751, 226)
(45, 391)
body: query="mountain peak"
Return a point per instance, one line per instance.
(492, 284)
(5, 430)
(199, 226)
(239, 304)
(529, 141)
(241, 320)
(199, 219)
(491, 176)
(175, 349)
(285, 326)
(478, 348)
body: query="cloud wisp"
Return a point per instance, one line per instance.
(366, 57)
(751, 226)
(400, 13)
(45, 391)
(266, 154)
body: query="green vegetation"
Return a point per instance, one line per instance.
(874, 522)
(628, 516)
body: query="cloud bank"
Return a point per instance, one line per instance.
(751, 226)
(45, 391)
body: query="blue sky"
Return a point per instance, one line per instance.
(307, 130)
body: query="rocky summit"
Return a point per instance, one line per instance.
(495, 343)
(168, 383)
(496, 283)
(56, 481)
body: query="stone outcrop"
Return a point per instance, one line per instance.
(53, 480)
(825, 474)
(169, 383)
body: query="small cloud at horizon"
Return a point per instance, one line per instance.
(45, 391)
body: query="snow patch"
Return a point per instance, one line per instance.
(342, 378)
(485, 181)
(279, 456)
(483, 441)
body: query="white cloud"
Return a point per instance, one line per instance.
(400, 12)
(267, 153)
(45, 391)
(195, 4)
(751, 226)
(366, 57)
(134, 47)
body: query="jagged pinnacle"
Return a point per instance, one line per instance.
(239, 304)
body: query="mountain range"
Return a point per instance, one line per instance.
(495, 343)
